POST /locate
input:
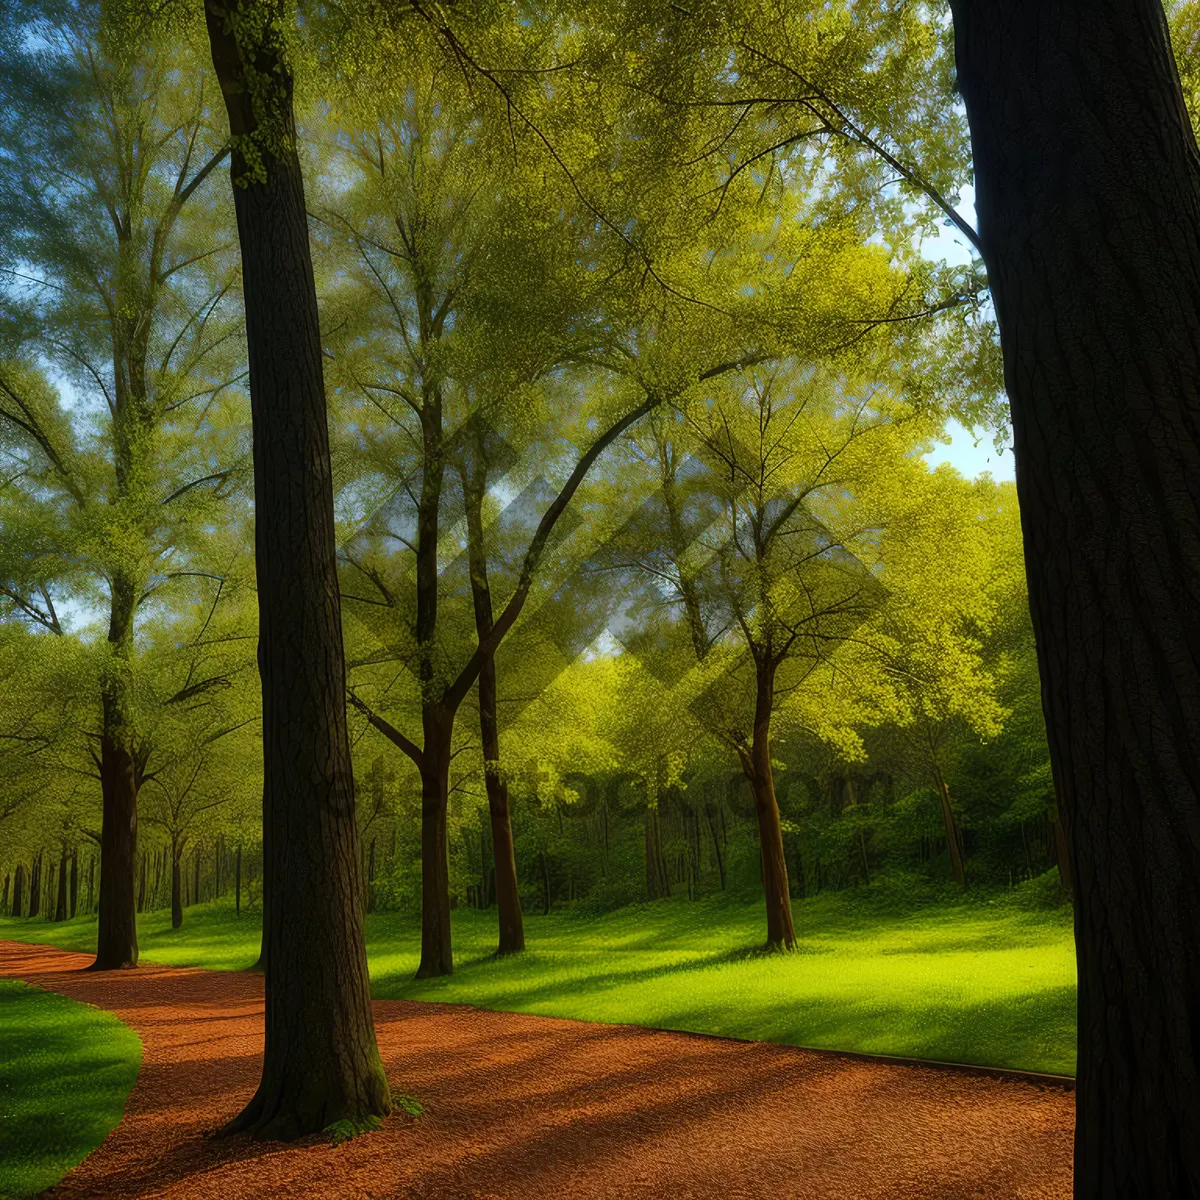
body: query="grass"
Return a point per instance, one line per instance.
(65, 1071)
(977, 980)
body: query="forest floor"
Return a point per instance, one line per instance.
(520, 1107)
(976, 979)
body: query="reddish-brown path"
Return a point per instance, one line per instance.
(533, 1107)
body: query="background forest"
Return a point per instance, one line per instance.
(632, 358)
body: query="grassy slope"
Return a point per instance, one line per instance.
(969, 982)
(65, 1071)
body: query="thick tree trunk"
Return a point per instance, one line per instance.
(756, 764)
(321, 1063)
(437, 957)
(18, 896)
(1088, 195)
(658, 884)
(116, 934)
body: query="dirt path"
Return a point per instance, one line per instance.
(523, 1107)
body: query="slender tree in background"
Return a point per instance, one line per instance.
(321, 1062)
(1088, 195)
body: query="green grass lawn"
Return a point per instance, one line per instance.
(65, 1071)
(977, 980)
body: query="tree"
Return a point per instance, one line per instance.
(1088, 194)
(321, 1063)
(117, 286)
(750, 554)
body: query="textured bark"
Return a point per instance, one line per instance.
(756, 765)
(1088, 195)
(321, 1063)
(116, 932)
(437, 957)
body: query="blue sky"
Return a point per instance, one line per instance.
(963, 453)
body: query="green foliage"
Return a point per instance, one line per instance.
(65, 1071)
(902, 968)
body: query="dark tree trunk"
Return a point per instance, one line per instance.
(18, 896)
(1088, 194)
(1062, 856)
(35, 886)
(116, 934)
(60, 907)
(91, 882)
(196, 889)
(321, 1063)
(437, 957)
(176, 888)
(756, 764)
(508, 896)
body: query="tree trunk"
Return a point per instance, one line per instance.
(508, 896)
(74, 882)
(437, 957)
(35, 886)
(321, 1063)
(196, 889)
(116, 934)
(18, 896)
(658, 886)
(176, 887)
(957, 866)
(717, 843)
(1062, 856)
(756, 764)
(1088, 193)
(60, 907)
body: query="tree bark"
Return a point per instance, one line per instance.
(1062, 856)
(116, 933)
(321, 1063)
(1088, 195)
(756, 765)
(18, 895)
(74, 882)
(437, 957)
